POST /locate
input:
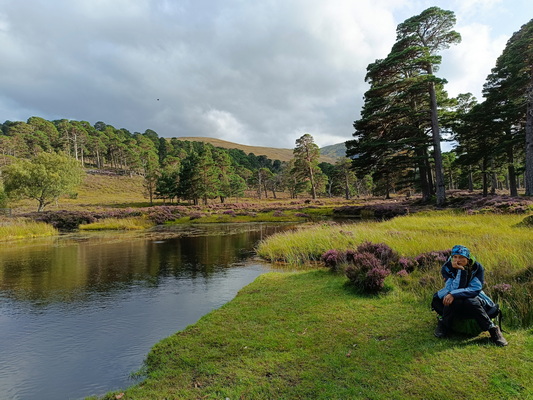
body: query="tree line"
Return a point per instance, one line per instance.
(407, 112)
(172, 169)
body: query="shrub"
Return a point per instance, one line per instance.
(366, 272)
(332, 259)
(402, 273)
(64, 220)
(407, 264)
(374, 279)
(432, 259)
(388, 257)
(501, 288)
(195, 215)
(302, 215)
(160, 215)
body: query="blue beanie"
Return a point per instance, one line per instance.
(461, 250)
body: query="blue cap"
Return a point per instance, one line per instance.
(461, 250)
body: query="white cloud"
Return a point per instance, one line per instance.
(469, 63)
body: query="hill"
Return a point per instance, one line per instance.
(271, 152)
(334, 151)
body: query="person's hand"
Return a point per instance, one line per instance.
(457, 266)
(448, 299)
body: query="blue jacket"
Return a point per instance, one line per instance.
(461, 284)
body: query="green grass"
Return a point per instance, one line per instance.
(125, 224)
(307, 335)
(494, 239)
(20, 228)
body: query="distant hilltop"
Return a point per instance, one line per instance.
(329, 154)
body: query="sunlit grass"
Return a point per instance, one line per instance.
(20, 228)
(494, 239)
(124, 224)
(308, 336)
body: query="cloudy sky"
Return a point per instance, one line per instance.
(253, 72)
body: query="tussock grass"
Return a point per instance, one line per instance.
(125, 224)
(494, 239)
(306, 335)
(20, 228)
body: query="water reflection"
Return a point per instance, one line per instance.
(79, 313)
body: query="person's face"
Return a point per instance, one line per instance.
(460, 260)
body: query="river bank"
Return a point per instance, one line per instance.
(307, 336)
(310, 335)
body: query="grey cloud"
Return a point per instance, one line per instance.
(259, 73)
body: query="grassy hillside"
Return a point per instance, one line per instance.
(334, 151)
(271, 152)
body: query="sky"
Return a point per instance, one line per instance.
(259, 73)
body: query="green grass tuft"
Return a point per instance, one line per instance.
(124, 224)
(20, 228)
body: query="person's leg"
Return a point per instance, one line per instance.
(472, 308)
(436, 304)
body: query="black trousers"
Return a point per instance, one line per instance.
(462, 308)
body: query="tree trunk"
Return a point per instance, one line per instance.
(494, 178)
(435, 131)
(470, 179)
(259, 184)
(312, 178)
(513, 189)
(424, 184)
(485, 179)
(529, 141)
(347, 187)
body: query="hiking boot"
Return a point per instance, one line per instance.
(440, 331)
(496, 336)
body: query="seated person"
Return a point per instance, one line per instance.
(462, 296)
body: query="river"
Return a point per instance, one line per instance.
(79, 313)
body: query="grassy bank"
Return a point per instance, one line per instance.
(495, 239)
(19, 228)
(307, 335)
(118, 224)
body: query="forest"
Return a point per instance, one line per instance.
(407, 113)
(174, 169)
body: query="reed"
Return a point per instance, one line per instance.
(494, 239)
(21, 228)
(119, 224)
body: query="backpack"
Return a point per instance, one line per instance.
(469, 326)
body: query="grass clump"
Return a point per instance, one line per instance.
(123, 224)
(306, 335)
(21, 228)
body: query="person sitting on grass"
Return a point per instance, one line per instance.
(462, 296)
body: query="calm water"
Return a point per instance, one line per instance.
(78, 314)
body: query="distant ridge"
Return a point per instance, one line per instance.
(335, 150)
(270, 152)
